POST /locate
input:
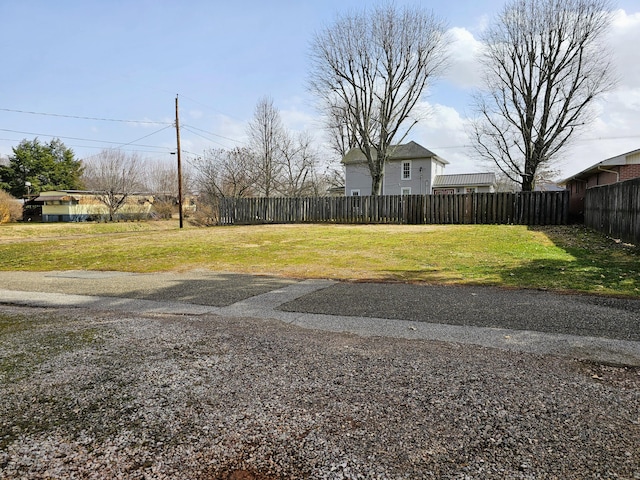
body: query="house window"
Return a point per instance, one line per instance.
(405, 191)
(406, 170)
(470, 190)
(355, 193)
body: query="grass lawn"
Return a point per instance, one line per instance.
(561, 258)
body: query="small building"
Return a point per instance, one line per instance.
(612, 170)
(465, 183)
(80, 206)
(410, 170)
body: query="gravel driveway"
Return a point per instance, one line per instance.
(90, 394)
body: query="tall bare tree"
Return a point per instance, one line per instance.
(113, 176)
(226, 173)
(266, 134)
(545, 63)
(342, 136)
(161, 180)
(371, 69)
(298, 165)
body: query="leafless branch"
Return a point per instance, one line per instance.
(545, 63)
(369, 71)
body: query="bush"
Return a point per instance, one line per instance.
(163, 209)
(10, 208)
(204, 216)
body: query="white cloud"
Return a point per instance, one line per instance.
(482, 23)
(299, 121)
(463, 68)
(444, 131)
(624, 39)
(616, 128)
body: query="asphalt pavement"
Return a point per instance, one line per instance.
(593, 328)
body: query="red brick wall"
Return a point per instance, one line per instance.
(627, 172)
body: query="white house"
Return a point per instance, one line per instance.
(80, 206)
(410, 170)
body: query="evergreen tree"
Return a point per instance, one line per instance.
(47, 166)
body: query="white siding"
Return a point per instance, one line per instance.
(357, 177)
(418, 183)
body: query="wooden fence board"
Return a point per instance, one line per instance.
(526, 208)
(615, 210)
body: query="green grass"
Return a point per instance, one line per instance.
(561, 258)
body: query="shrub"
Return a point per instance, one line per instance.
(163, 209)
(204, 216)
(10, 208)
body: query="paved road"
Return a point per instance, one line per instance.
(581, 326)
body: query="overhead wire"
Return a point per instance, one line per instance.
(192, 129)
(132, 143)
(205, 134)
(147, 122)
(214, 134)
(187, 128)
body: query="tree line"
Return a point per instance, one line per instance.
(544, 62)
(276, 162)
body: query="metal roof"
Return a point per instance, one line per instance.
(405, 151)
(465, 180)
(53, 198)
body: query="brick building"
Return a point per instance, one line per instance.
(612, 170)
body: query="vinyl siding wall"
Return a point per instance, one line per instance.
(357, 177)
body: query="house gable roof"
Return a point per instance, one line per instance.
(623, 159)
(464, 180)
(405, 151)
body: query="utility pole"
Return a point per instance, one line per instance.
(179, 164)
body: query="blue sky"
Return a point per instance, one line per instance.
(127, 60)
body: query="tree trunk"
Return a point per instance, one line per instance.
(376, 184)
(527, 182)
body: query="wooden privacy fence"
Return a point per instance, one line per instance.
(615, 210)
(524, 208)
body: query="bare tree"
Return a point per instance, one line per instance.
(370, 70)
(266, 135)
(226, 173)
(161, 180)
(342, 136)
(545, 63)
(298, 165)
(113, 176)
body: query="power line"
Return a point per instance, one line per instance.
(147, 122)
(214, 134)
(71, 145)
(152, 133)
(132, 143)
(187, 128)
